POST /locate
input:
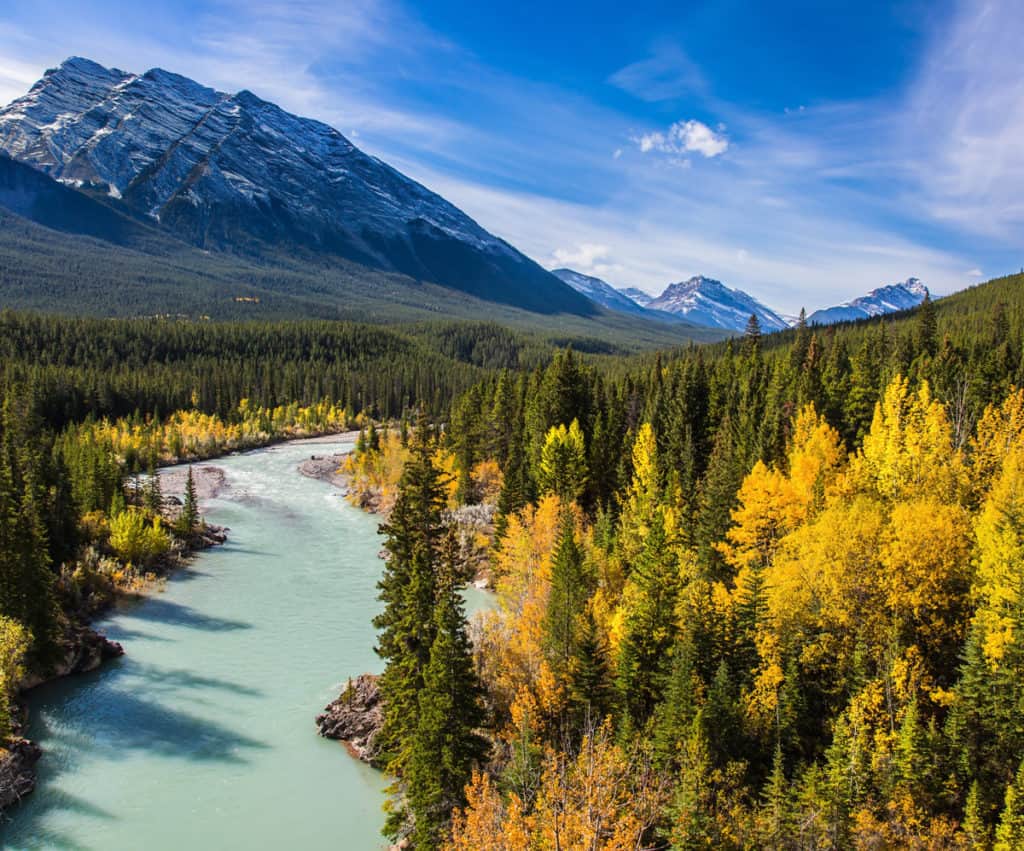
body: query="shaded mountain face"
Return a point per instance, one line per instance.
(599, 291)
(234, 172)
(705, 301)
(887, 299)
(637, 295)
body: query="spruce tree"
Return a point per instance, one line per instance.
(26, 578)
(567, 599)
(777, 820)
(591, 693)
(188, 520)
(716, 501)
(673, 718)
(927, 328)
(976, 832)
(446, 744)
(408, 590)
(154, 496)
(1010, 830)
(649, 629)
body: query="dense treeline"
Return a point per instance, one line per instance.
(764, 595)
(760, 594)
(82, 515)
(114, 368)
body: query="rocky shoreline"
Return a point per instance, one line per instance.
(355, 719)
(84, 649)
(18, 771)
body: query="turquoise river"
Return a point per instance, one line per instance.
(202, 735)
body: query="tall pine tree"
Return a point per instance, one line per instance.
(446, 744)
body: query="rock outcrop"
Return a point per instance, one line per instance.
(355, 718)
(82, 649)
(17, 771)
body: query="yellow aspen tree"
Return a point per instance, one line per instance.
(909, 450)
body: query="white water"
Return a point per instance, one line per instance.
(202, 736)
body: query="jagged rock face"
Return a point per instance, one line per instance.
(705, 301)
(232, 171)
(887, 299)
(17, 771)
(355, 718)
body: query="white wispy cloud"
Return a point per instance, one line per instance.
(806, 209)
(666, 74)
(685, 137)
(588, 257)
(966, 115)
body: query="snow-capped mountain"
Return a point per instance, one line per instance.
(887, 299)
(705, 301)
(599, 291)
(637, 295)
(232, 171)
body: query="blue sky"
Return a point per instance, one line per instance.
(803, 151)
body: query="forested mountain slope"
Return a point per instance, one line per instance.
(786, 570)
(232, 172)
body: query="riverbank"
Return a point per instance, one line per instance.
(209, 713)
(83, 649)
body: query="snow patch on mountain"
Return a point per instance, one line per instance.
(598, 291)
(637, 295)
(882, 300)
(705, 301)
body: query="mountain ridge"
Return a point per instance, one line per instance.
(889, 298)
(599, 291)
(706, 301)
(235, 172)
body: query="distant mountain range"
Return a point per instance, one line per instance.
(887, 299)
(150, 193)
(600, 291)
(234, 173)
(637, 295)
(705, 301)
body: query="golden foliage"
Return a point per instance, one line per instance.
(1000, 556)
(510, 644)
(909, 452)
(373, 475)
(601, 799)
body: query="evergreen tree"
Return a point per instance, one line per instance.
(408, 589)
(927, 328)
(26, 579)
(975, 830)
(693, 804)
(776, 816)
(649, 629)
(515, 490)
(188, 520)
(445, 744)
(752, 337)
(717, 499)
(673, 719)
(591, 693)
(563, 463)
(154, 498)
(372, 438)
(567, 599)
(1010, 830)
